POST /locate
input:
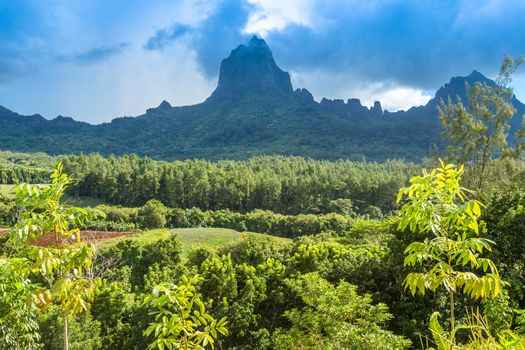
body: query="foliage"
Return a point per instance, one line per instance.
(234, 291)
(134, 258)
(23, 167)
(288, 185)
(479, 132)
(254, 249)
(479, 335)
(181, 320)
(438, 207)
(451, 252)
(335, 318)
(106, 225)
(113, 309)
(505, 220)
(83, 331)
(18, 327)
(153, 214)
(61, 267)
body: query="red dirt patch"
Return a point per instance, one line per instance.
(87, 236)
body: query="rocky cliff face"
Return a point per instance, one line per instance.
(251, 69)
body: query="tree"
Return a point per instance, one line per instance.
(18, 326)
(335, 317)
(437, 207)
(181, 320)
(153, 214)
(62, 264)
(478, 132)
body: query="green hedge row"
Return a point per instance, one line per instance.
(155, 215)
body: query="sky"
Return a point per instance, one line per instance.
(95, 60)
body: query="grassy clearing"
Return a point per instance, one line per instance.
(190, 238)
(211, 238)
(146, 237)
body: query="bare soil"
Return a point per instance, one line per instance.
(86, 236)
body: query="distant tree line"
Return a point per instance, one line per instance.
(289, 185)
(22, 173)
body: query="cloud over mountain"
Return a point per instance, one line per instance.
(339, 48)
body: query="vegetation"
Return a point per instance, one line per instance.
(333, 260)
(438, 207)
(179, 314)
(281, 294)
(285, 185)
(478, 133)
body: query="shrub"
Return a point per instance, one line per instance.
(106, 225)
(119, 214)
(153, 214)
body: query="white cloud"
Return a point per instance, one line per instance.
(518, 83)
(126, 84)
(343, 86)
(397, 98)
(278, 14)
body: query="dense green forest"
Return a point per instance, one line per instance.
(352, 258)
(287, 185)
(272, 294)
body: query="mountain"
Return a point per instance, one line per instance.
(251, 69)
(254, 110)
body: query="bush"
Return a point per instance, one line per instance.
(119, 214)
(153, 215)
(106, 225)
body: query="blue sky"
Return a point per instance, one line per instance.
(95, 60)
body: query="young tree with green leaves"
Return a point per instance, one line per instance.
(451, 254)
(18, 326)
(181, 320)
(335, 317)
(62, 267)
(478, 132)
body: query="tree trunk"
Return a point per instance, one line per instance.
(66, 340)
(452, 316)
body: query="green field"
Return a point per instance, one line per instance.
(146, 237)
(211, 238)
(191, 238)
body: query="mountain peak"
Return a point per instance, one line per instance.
(164, 104)
(251, 68)
(476, 75)
(456, 87)
(255, 41)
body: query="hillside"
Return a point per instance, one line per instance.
(254, 110)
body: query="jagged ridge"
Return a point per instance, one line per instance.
(254, 110)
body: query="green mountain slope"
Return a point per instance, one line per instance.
(254, 110)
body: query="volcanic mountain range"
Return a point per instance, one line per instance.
(253, 111)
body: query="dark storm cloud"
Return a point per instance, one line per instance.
(411, 43)
(99, 54)
(213, 39)
(164, 36)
